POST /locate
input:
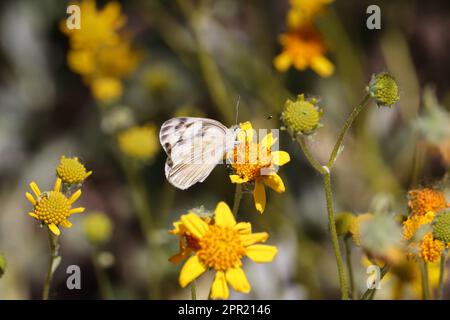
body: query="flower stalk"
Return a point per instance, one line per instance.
(53, 244)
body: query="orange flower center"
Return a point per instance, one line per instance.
(250, 159)
(430, 248)
(221, 248)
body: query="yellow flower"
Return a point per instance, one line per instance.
(53, 207)
(255, 162)
(221, 247)
(414, 222)
(71, 170)
(301, 116)
(106, 89)
(117, 61)
(139, 142)
(98, 27)
(430, 248)
(303, 48)
(303, 11)
(421, 201)
(97, 227)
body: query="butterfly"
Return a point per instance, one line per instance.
(194, 146)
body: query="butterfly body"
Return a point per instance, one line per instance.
(194, 146)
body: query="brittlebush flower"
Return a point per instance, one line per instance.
(71, 170)
(421, 201)
(255, 162)
(99, 51)
(139, 142)
(52, 208)
(220, 245)
(97, 26)
(304, 11)
(303, 48)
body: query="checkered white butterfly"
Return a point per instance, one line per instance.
(194, 146)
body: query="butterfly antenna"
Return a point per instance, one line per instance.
(237, 109)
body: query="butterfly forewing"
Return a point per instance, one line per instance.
(194, 146)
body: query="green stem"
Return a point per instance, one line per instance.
(334, 236)
(237, 199)
(348, 260)
(316, 165)
(348, 123)
(442, 274)
(193, 290)
(53, 244)
(370, 293)
(425, 282)
(104, 285)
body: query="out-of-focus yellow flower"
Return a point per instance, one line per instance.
(221, 247)
(303, 48)
(430, 248)
(421, 201)
(97, 227)
(414, 222)
(71, 170)
(255, 162)
(98, 27)
(106, 89)
(99, 53)
(139, 142)
(355, 228)
(53, 208)
(304, 11)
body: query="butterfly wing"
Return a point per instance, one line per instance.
(194, 146)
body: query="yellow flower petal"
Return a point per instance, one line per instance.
(243, 227)
(76, 210)
(194, 224)
(66, 224)
(219, 289)
(274, 182)
(249, 239)
(53, 228)
(322, 66)
(75, 196)
(30, 198)
(245, 134)
(261, 253)
(57, 186)
(259, 195)
(237, 179)
(282, 62)
(280, 158)
(191, 270)
(223, 216)
(35, 189)
(31, 214)
(237, 279)
(268, 141)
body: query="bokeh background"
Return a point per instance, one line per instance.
(195, 58)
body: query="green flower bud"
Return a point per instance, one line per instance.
(384, 89)
(97, 227)
(301, 116)
(441, 227)
(2, 265)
